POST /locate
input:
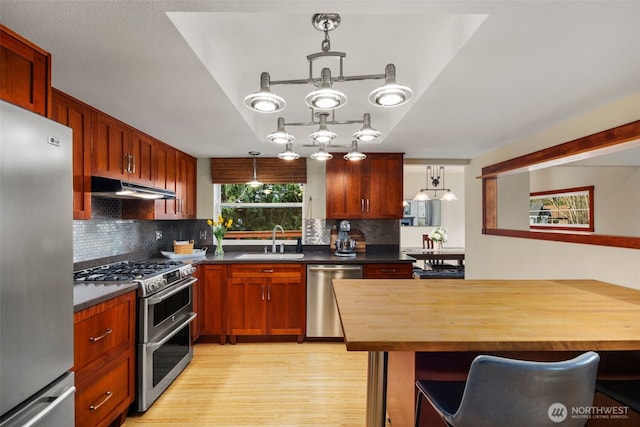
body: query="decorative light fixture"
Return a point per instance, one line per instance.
(265, 101)
(322, 135)
(280, 136)
(322, 155)
(288, 153)
(325, 97)
(366, 133)
(354, 154)
(390, 94)
(435, 177)
(254, 181)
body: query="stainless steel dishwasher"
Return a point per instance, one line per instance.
(322, 312)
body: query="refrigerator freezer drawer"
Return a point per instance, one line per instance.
(51, 407)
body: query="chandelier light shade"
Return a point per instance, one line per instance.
(323, 135)
(254, 181)
(366, 133)
(390, 94)
(322, 155)
(422, 196)
(448, 196)
(324, 97)
(354, 155)
(435, 174)
(265, 101)
(280, 136)
(288, 153)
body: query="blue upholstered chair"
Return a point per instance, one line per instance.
(508, 392)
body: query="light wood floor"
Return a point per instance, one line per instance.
(265, 384)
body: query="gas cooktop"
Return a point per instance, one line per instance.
(125, 271)
(151, 276)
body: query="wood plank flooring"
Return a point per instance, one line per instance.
(265, 384)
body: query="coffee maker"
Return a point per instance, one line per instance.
(345, 245)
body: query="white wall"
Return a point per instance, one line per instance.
(496, 257)
(452, 213)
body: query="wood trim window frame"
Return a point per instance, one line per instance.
(585, 147)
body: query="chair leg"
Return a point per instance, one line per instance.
(418, 410)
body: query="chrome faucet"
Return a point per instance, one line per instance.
(273, 237)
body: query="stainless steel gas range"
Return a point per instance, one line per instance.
(165, 313)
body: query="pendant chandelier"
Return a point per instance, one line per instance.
(324, 98)
(254, 180)
(435, 174)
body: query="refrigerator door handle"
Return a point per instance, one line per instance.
(50, 407)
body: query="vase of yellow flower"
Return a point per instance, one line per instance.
(219, 229)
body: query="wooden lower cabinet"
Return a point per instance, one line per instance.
(212, 300)
(388, 271)
(266, 299)
(104, 361)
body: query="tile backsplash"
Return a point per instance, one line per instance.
(106, 235)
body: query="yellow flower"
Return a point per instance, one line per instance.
(209, 222)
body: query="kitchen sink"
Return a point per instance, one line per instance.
(269, 256)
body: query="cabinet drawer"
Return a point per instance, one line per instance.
(103, 328)
(388, 271)
(266, 270)
(107, 392)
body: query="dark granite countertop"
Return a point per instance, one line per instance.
(86, 295)
(318, 257)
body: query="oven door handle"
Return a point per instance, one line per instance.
(173, 290)
(154, 346)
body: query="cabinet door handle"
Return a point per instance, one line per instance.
(107, 396)
(107, 332)
(388, 270)
(368, 204)
(361, 205)
(269, 270)
(262, 292)
(133, 164)
(269, 293)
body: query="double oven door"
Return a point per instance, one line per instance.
(164, 343)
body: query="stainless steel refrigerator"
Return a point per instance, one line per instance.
(36, 261)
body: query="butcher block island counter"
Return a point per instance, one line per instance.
(416, 320)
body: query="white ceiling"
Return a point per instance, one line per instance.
(484, 73)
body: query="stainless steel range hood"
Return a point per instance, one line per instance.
(118, 189)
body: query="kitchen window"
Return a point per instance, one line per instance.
(255, 211)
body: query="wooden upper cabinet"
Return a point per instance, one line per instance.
(186, 186)
(121, 152)
(110, 145)
(78, 116)
(142, 147)
(366, 189)
(385, 186)
(25, 73)
(165, 177)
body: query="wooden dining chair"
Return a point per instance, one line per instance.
(427, 243)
